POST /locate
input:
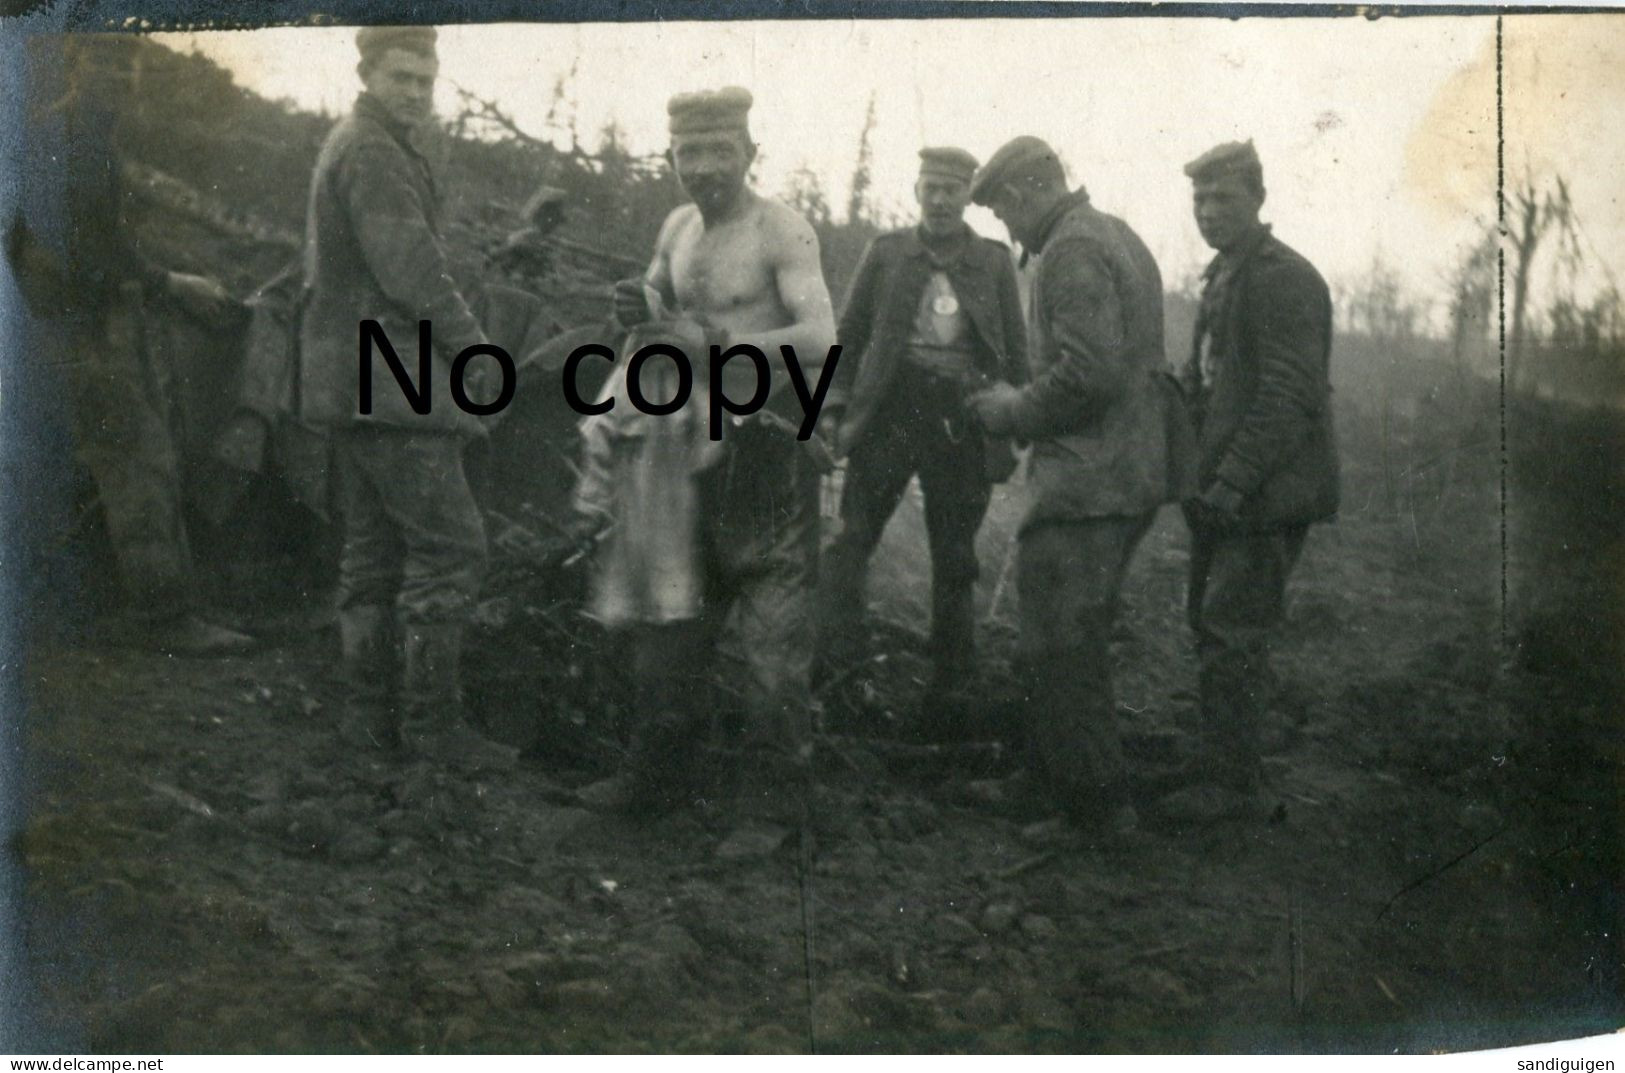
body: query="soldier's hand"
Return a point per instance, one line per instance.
(511, 538)
(1218, 508)
(829, 428)
(995, 408)
(631, 303)
(582, 533)
(203, 298)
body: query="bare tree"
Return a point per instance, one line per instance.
(481, 115)
(1379, 308)
(857, 203)
(563, 96)
(1472, 301)
(805, 193)
(1537, 208)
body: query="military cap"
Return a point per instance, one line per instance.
(947, 162)
(1022, 157)
(709, 110)
(372, 41)
(1227, 159)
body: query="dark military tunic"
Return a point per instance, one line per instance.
(922, 327)
(1258, 378)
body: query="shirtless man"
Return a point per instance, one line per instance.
(745, 267)
(747, 270)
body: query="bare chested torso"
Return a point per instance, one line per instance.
(753, 277)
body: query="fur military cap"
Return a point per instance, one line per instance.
(1020, 158)
(374, 41)
(709, 110)
(1231, 158)
(948, 162)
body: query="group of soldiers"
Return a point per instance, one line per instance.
(952, 359)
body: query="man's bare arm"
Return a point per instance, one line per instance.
(798, 273)
(659, 274)
(630, 296)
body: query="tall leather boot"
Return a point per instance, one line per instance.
(656, 773)
(839, 605)
(432, 721)
(369, 718)
(948, 706)
(953, 634)
(653, 777)
(1232, 701)
(1227, 779)
(1073, 727)
(1084, 752)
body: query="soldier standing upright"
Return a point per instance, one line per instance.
(414, 542)
(1097, 415)
(1258, 382)
(89, 278)
(744, 270)
(933, 313)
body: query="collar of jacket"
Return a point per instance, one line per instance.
(1238, 254)
(952, 251)
(369, 107)
(1052, 218)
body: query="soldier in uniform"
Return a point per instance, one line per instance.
(1258, 383)
(932, 314)
(89, 278)
(744, 269)
(1097, 413)
(414, 541)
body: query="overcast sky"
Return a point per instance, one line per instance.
(1378, 137)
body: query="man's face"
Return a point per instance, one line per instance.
(403, 82)
(712, 166)
(942, 202)
(1015, 212)
(1226, 209)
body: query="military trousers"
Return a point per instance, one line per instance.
(123, 436)
(1068, 577)
(414, 539)
(1235, 602)
(759, 543)
(759, 556)
(921, 430)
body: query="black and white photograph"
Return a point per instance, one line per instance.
(774, 529)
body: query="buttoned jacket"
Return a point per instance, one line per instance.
(1101, 410)
(1264, 422)
(373, 252)
(882, 304)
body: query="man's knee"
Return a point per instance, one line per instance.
(1241, 600)
(776, 634)
(954, 564)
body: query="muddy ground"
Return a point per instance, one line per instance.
(209, 870)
